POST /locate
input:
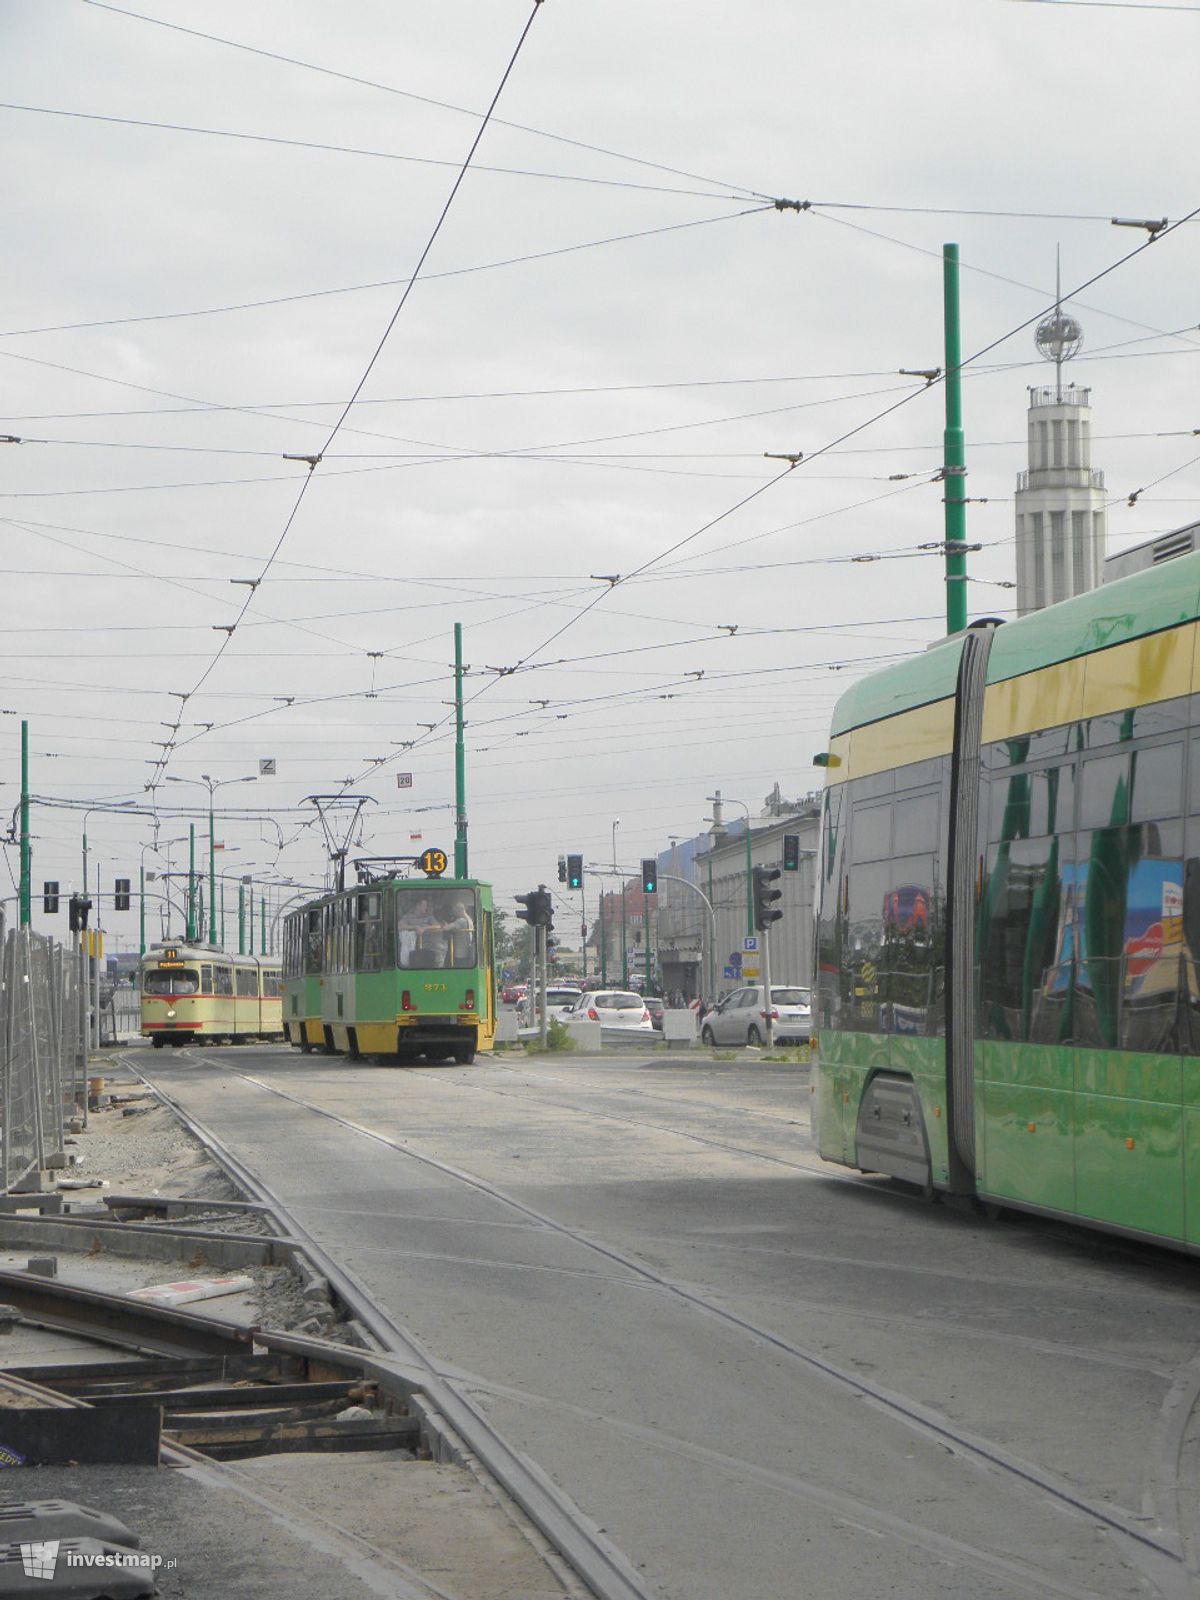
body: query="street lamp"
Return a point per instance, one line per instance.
(212, 785)
(156, 847)
(724, 800)
(100, 806)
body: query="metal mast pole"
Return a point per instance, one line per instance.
(954, 470)
(264, 924)
(543, 1026)
(242, 919)
(624, 942)
(26, 863)
(142, 910)
(212, 878)
(460, 763)
(603, 945)
(765, 936)
(191, 901)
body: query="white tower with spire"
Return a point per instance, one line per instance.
(1062, 522)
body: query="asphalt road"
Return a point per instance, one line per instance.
(762, 1376)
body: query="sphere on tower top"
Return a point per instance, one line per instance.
(1058, 336)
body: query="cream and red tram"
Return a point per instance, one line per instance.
(193, 993)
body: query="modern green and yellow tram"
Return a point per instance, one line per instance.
(194, 994)
(395, 967)
(1008, 1001)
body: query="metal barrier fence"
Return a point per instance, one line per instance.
(43, 1050)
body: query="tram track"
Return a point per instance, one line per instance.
(1157, 1548)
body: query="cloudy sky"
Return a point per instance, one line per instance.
(212, 214)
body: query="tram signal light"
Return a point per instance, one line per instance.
(649, 875)
(791, 852)
(562, 869)
(77, 912)
(765, 910)
(121, 895)
(49, 898)
(574, 872)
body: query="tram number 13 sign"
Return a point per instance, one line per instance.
(432, 863)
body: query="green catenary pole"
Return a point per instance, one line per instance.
(460, 763)
(263, 903)
(242, 919)
(954, 454)
(222, 937)
(624, 942)
(142, 911)
(25, 908)
(212, 880)
(603, 945)
(191, 901)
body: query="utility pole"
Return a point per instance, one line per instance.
(765, 936)
(603, 945)
(242, 920)
(624, 941)
(541, 985)
(191, 900)
(212, 879)
(954, 458)
(142, 909)
(460, 763)
(25, 895)
(264, 925)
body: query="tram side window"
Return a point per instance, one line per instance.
(1025, 944)
(222, 980)
(312, 949)
(206, 979)
(247, 982)
(271, 983)
(369, 932)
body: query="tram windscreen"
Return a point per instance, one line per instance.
(172, 980)
(436, 928)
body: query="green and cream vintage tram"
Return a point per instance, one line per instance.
(194, 993)
(395, 967)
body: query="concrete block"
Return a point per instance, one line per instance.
(679, 1027)
(43, 1266)
(586, 1034)
(506, 1026)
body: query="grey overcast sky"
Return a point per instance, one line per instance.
(205, 244)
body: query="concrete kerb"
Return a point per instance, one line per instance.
(143, 1241)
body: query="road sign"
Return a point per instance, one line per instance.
(750, 942)
(735, 959)
(731, 972)
(404, 780)
(749, 972)
(266, 766)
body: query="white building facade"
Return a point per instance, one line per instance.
(1061, 519)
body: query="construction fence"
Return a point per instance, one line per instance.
(44, 1021)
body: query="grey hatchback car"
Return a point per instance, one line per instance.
(741, 1016)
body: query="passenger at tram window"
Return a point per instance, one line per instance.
(418, 928)
(461, 928)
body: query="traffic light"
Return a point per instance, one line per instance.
(77, 912)
(49, 898)
(574, 872)
(536, 908)
(649, 875)
(791, 852)
(121, 895)
(562, 869)
(765, 912)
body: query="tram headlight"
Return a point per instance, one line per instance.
(170, 1011)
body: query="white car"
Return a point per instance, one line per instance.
(558, 1002)
(612, 1008)
(741, 1017)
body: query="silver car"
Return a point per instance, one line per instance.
(741, 1016)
